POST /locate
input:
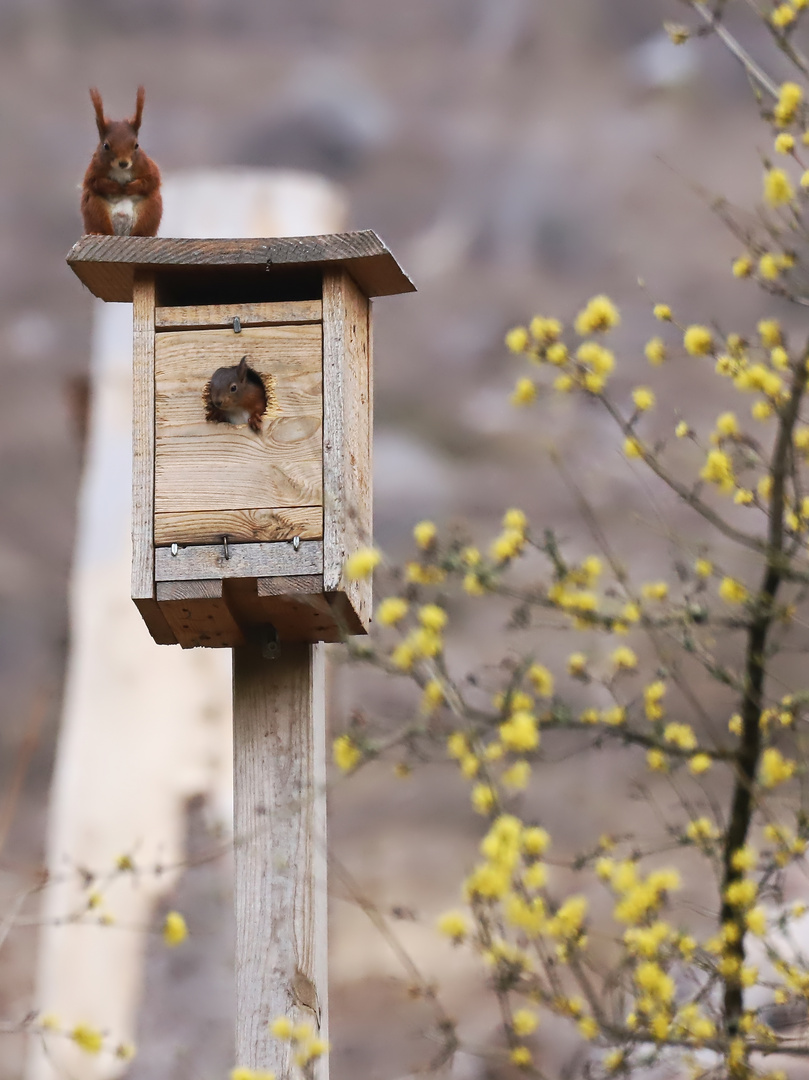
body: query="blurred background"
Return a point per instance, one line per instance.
(517, 156)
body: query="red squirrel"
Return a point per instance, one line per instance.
(121, 190)
(236, 395)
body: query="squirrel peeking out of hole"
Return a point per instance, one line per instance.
(236, 395)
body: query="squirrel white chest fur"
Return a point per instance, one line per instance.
(123, 208)
(238, 416)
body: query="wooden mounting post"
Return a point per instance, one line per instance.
(279, 758)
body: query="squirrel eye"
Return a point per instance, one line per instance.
(106, 146)
(136, 145)
(233, 388)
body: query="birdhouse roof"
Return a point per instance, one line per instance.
(107, 264)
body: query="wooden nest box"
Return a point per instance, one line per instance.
(241, 533)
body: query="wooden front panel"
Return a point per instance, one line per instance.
(221, 316)
(235, 481)
(240, 526)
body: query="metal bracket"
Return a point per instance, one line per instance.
(270, 643)
(237, 325)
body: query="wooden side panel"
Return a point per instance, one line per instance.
(347, 510)
(220, 316)
(282, 523)
(143, 408)
(245, 561)
(201, 465)
(198, 614)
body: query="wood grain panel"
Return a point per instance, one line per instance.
(348, 513)
(221, 316)
(282, 523)
(246, 560)
(204, 466)
(105, 264)
(143, 478)
(279, 782)
(311, 583)
(198, 614)
(296, 606)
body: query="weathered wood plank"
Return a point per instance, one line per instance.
(105, 264)
(221, 316)
(279, 735)
(304, 583)
(348, 513)
(295, 605)
(155, 621)
(277, 523)
(246, 560)
(188, 590)
(208, 466)
(198, 614)
(143, 410)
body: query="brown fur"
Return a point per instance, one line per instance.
(118, 149)
(235, 390)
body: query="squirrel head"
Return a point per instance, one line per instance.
(228, 385)
(118, 148)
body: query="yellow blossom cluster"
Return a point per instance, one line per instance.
(361, 564)
(308, 1045)
(680, 735)
(640, 898)
(733, 591)
(175, 930)
(425, 533)
(346, 753)
(702, 831)
(587, 369)
(424, 641)
(698, 340)
(512, 539)
(653, 695)
(775, 769)
(718, 469)
(778, 189)
(87, 1038)
(598, 315)
(790, 98)
(454, 925)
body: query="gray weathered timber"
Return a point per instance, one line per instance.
(143, 458)
(106, 264)
(347, 435)
(279, 773)
(200, 562)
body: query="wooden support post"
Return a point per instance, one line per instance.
(279, 759)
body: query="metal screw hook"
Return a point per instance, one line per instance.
(270, 645)
(174, 549)
(296, 543)
(237, 325)
(225, 545)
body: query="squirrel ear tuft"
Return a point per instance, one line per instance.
(101, 121)
(241, 370)
(138, 116)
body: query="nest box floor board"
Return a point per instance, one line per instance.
(249, 485)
